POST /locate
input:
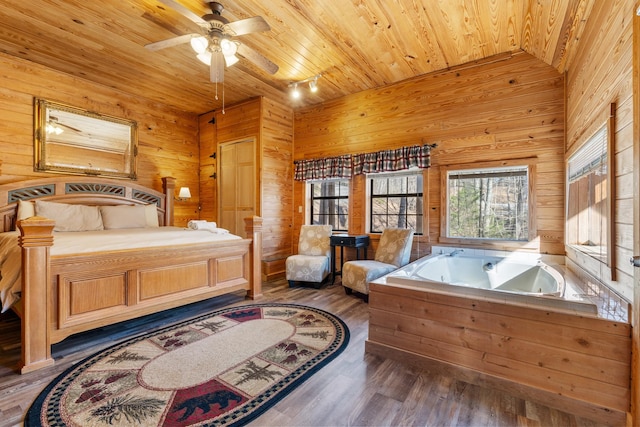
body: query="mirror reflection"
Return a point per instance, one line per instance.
(73, 140)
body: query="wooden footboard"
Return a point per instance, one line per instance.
(65, 295)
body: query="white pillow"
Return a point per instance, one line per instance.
(123, 216)
(151, 213)
(26, 209)
(70, 217)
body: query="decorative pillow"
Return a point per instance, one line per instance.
(26, 209)
(151, 213)
(123, 216)
(70, 217)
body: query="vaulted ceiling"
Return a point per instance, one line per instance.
(354, 44)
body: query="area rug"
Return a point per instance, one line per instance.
(224, 368)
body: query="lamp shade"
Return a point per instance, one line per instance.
(184, 193)
(205, 57)
(199, 44)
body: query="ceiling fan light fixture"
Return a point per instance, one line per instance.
(199, 44)
(228, 47)
(230, 60)
(53, 128)
(205, 57)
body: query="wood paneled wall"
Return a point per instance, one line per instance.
(271, 124)
(601, 74)
(503, 108)
(168, 138)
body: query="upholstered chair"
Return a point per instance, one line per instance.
(312, 264)
(393, 252)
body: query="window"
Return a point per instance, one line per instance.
(330, 203)
(587, 197)
(395, 201)
(491, 203)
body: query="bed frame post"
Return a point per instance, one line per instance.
(169, 185)
(35, 240)
(253, 228)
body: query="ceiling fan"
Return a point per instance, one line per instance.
(215, 45)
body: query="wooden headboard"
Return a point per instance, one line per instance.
(86, 191)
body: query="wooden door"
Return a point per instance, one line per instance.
(237, 184)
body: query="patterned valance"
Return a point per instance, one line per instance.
(357, 164)
(329, 167)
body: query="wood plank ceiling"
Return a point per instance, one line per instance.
(355, 44)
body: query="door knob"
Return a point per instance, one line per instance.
(635, 261)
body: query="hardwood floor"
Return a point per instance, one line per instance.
(356, 389)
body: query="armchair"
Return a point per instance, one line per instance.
(313, 261)
(393, 252)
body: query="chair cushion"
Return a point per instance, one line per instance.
(357, 274)
(395, 246)
(307, 268)
(314, 240)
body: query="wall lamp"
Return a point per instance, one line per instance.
(184, 194)
(313, 86)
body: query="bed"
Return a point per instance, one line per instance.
(63, 292)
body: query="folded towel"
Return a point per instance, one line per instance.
(219, 231)
(199, 224)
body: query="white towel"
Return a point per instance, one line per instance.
(200, 224)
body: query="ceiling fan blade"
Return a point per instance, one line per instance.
(173, 41)
(216, 71)
(257, 59)
(250, 25)
(185, 12)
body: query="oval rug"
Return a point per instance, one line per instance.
(223, 368)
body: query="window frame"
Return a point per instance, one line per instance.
(529, 164)
(311, 199)
(369, 197)
(591, 262)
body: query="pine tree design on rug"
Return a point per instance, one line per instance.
(125, 356)
(221, 369)
(132, 408)
(253, 372)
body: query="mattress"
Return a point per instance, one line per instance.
(85, 242)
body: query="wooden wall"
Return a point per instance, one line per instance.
(600, 74)
(167, 138)
(503, 108)
(271, 124)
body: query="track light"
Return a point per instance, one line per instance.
(313, 86)
(295, 93)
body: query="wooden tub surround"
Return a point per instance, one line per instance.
(66, 294)
(578, 363)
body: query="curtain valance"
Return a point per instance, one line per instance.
(329, 167)
(357, 164)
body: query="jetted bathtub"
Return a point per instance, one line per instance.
(514, 279)
(503, 318)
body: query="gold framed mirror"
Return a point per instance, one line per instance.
(76, 141)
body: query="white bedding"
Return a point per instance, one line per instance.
(81, 242)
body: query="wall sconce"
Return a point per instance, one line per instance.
(313, 86)
(184, 194)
